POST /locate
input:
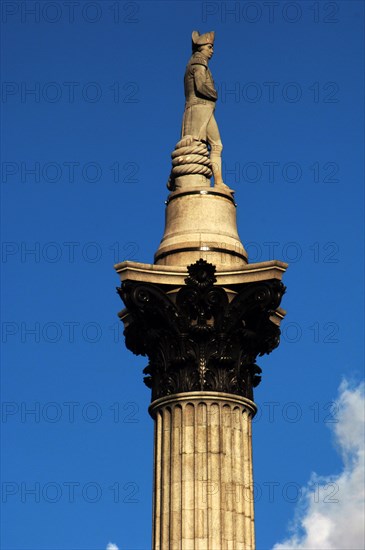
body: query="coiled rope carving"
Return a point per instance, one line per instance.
(190, 156)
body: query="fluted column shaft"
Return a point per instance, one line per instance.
(203, 486)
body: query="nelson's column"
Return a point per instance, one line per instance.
(201, 314)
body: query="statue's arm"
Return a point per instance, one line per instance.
(203, 87)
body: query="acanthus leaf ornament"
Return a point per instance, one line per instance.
(195, 338)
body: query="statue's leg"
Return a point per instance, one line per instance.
(214, 140)
(195, 122)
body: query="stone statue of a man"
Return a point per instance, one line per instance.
(201, 96)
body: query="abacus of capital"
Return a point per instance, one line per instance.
(201, 314)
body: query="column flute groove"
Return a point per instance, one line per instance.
(251, 483)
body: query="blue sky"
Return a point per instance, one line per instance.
(92, 102)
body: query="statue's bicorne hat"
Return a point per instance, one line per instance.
(201, 39)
